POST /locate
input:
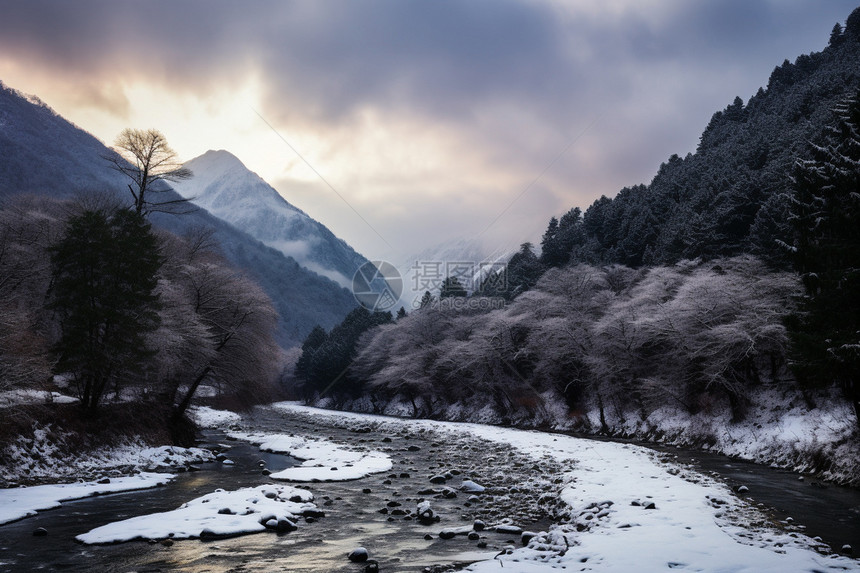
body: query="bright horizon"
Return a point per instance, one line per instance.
(428, 121)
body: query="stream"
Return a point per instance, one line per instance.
(354, 509)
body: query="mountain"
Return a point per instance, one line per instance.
(43, 154)
(227, 189)
(467, 259)
(730, 196)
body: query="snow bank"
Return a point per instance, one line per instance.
(323, 460)
(207, 417)
(45, 456)
(631, 512)
(784, 432)
(220, 513)
(20, 502)
(29, 396)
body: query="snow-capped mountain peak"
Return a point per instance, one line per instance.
(226, 188)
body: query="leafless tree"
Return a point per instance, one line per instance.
(144, 156)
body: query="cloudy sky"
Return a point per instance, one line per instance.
(429, 120)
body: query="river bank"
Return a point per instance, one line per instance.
(557, 487)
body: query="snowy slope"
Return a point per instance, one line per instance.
(226, 188)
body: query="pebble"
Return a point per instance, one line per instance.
(358, 555)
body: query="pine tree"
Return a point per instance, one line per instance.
(104, 277)
(826, 219)
(452, 287)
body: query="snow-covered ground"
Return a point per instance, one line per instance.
(19, 502)
(45, 456)
(780, 428)
(631, 512)
(20, 397)
(220, 513)
(323, 460)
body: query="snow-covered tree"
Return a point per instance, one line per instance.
(826, 217)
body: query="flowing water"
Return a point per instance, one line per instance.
(353, 516)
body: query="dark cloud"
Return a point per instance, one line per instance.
(516, 79)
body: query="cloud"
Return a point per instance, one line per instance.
(442, 110)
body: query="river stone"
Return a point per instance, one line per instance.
(446, 534)
(371, 567)
(471, 487)
(527, 536)
(847, 549)
(358, 555)
(40, 532)
(438, 479)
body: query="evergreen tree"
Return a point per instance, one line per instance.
(523, 270)
(426, 299)
(826, 218)
(104, 277)
(401, 313)
(325, 371)
(452, 287)
(312, 343)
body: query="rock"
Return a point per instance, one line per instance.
(425, 513)
(393, 504)
(474, 499)
(367, 490)
(228, 462)
(428, 537)
(413, 449)
(474, 536)
(650, 505)
(438, 479)
(386, 440)
(167, 542)
(743, 489)
(482, 544)
(225, 511)
(371, 567)
(847, 549)
(471, 487)
(527, 536)
(40, 532)
(446, 534)
(104, 481)
(508, 529)
(448, 493)
(479, 525)
(266, 472)
(358, 555)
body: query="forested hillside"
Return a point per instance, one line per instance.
(732, 195)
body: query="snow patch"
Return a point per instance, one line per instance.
(323, 460)
(17, 503)
(220, 513)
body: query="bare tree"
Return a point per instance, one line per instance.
(145, 157)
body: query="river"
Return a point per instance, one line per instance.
(353, 509)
